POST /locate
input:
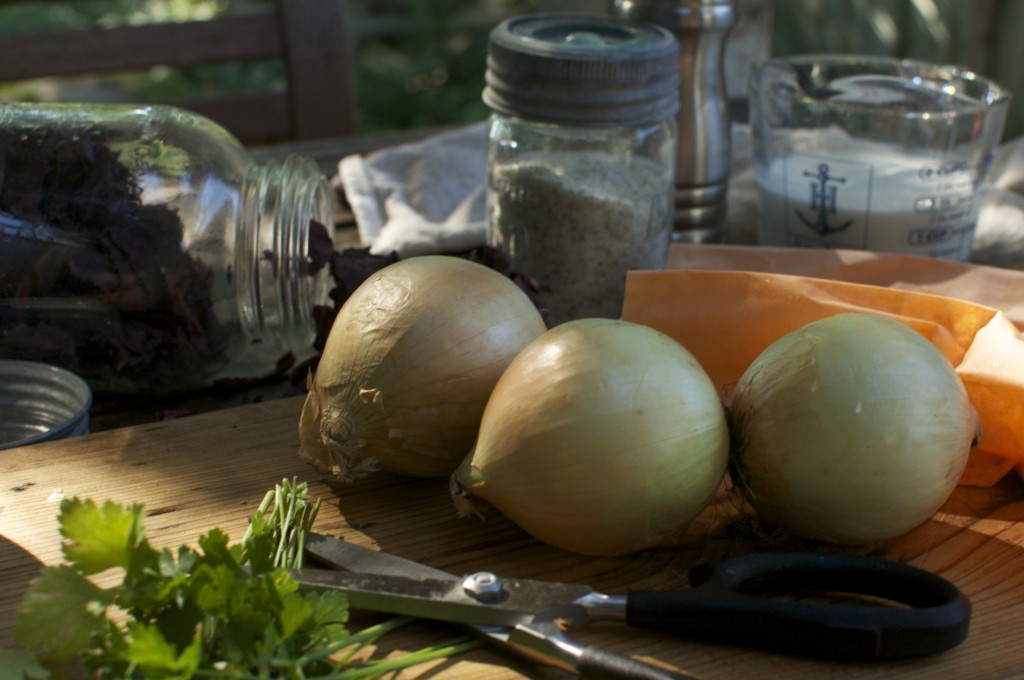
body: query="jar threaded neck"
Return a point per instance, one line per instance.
(280, 284)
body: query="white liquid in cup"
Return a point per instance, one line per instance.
(889, 159)
(870, 199)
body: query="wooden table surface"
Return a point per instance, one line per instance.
(212, 469)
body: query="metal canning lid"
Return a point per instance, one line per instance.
(40, 402)
(582, 70)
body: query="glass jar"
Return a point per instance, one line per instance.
(143, 249)
(581, 154)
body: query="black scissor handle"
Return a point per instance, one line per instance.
(734, 601)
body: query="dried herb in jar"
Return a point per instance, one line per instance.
(91, 277)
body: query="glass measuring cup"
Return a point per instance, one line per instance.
(872, 153)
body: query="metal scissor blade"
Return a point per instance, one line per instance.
(518, 601)
(341, 554)
(346, 556)
(540, 641)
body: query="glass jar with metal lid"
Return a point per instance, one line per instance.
(581, 154)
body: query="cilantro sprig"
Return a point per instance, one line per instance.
(219, 611)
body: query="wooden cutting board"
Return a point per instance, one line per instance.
(212, 470)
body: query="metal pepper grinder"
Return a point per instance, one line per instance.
(703, 156)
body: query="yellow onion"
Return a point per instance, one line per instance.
(853, 429)
(409, 364)
(602, 437)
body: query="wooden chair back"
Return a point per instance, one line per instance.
(312, 37)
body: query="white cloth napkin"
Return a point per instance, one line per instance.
(421, 198)
(999, 238)
(428, 197)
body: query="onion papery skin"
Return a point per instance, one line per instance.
(409, 364)
(853, 430)
(602, 437)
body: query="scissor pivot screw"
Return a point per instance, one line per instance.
(484, 586)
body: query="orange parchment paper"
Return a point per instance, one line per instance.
(731, 302)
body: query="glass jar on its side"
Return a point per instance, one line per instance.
(581, 155)
(143, 249)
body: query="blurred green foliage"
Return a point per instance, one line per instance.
(420, 63)
(981, 35)
(31, 17)
(155, 85)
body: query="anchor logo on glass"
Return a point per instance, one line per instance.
(824, 190)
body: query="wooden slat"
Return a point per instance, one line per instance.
(311, 37)
(318, 40)
(130, 48)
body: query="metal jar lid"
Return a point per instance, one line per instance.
(582, 70)
(40, 402)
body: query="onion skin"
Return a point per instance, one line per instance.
(853, 430)
(603, 437)
(408, 366)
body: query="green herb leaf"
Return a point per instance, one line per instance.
(21, 663)
(61, 613)
(154, 656)
(221, 611)
(328, 610)
(100, 537)
(295, 613)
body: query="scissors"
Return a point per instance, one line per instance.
(911, 613)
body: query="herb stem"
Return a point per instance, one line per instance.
(378, 667)
(356, 641)
(260, 512)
